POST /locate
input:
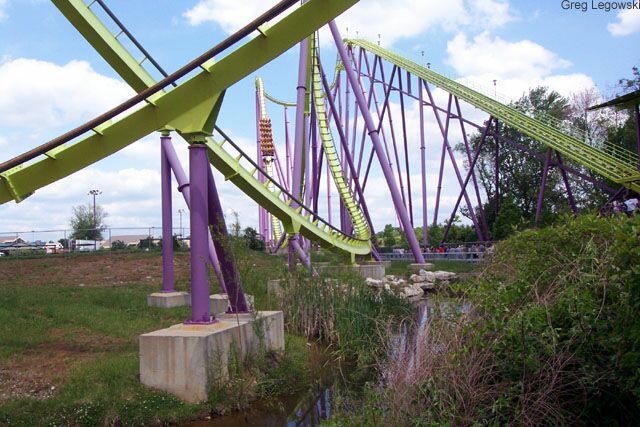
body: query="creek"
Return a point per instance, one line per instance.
(314, 405)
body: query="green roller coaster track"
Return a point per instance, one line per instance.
(614, 163)
(275, 223)
(191, 109)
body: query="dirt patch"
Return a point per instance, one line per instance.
(111, 269)
(40, 371)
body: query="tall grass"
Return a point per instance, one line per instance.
(552, 339)
(342, 312)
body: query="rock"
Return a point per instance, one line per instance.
(423, 272)
(412, 291)
(429, 277)
(417, 279)
(374, 283)
(427, 286)
(387, 287)
(390, 277)
(402, 282)
(444, 275)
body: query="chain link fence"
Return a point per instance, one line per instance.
(64, 241)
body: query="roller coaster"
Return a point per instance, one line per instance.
(339, 128)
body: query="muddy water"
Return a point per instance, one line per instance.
(310, 408)
(306, 409)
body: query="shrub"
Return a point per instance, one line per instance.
(553, 337)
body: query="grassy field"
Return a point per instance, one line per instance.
(69, 330)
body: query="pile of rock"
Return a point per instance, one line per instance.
(415, 286)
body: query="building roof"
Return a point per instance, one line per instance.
(132, 239)
(628, 100)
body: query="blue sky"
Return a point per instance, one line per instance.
(51, 80)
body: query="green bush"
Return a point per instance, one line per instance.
(560, 304)
(552, 338)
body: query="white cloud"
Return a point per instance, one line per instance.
(3, 14)
(484, 53)
(407, 18)
(517, 66)
(38, 94)
(628, 23)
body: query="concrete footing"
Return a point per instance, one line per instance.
(372, 270)
(220, 303)
(416, 267)
(169, 299)
(187, 360)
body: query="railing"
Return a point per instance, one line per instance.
(437, 256)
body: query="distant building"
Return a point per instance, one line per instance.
(17, 244)
(84, 245)
(53, 248)
(129, 240)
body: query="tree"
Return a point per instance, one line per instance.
(118, 245)
(630, 84)
(388, 236)
(84, 225)
(252, 239)
(174, 240)
(147, 243)
(521, 173)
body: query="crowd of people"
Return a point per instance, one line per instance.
(630, 206)
(462, 251)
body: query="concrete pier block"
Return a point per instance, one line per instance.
(220, 303)
(416, 267)
(274, 288)
(372, 270)
(187, 360)
(169, 299)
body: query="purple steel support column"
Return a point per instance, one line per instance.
(565, 179)
(463, 189)
(345, 145)
(444, 152)
(385, 105)
(183, 187)
(287, 148)
(280, 243)
(467, 147)
(637, 111)
(363, 54)
(393, 136)
(497, 168)
(543, 184)
(298, 144)
(423, 162)
(375, 139)
(291, 257)
(221, 242)
(406, 149)
(387, 92)
(374, 98)
(472, 165)
(314, 154)
(316, 189)
(328, 194)
(198, 166)
(295, 244)
(167, 220)
(454, 163)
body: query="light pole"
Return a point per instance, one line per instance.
(95, 193)
(495, 89)
(181, 211)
